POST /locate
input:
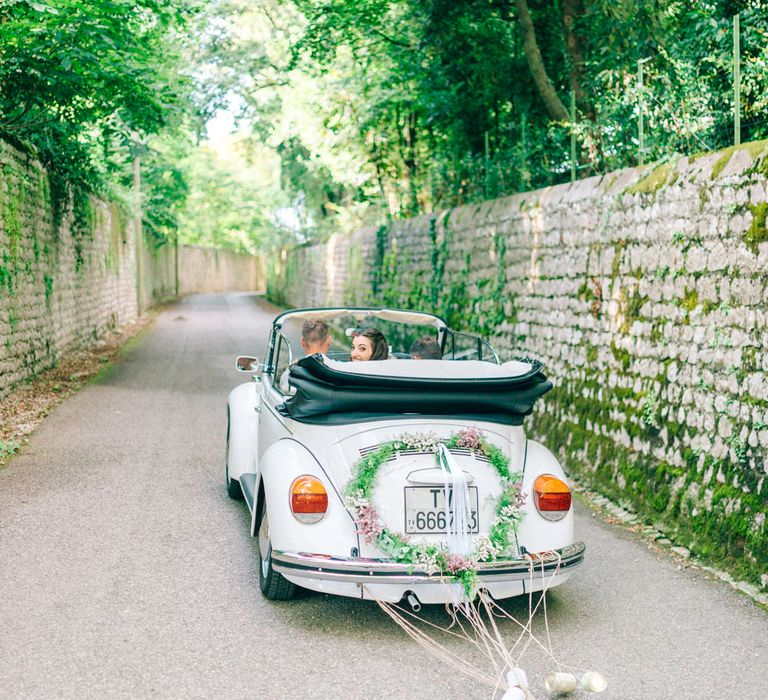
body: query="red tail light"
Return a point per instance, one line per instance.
(552, 497)
(309, 499)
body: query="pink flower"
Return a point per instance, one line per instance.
(469, 438)
(454, 563)
(516, 494)
(368, 523)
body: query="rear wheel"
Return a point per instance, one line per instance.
(233, 485)
(273, 585)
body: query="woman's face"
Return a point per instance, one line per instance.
(362, 348)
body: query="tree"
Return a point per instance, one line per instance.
(80, 82)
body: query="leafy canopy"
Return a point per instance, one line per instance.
(81, 81)
(439, 103)
(353, 111)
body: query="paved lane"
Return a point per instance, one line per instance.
(126, 572)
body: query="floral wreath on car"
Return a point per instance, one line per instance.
(434, 559)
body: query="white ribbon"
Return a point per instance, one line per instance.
(456, 494)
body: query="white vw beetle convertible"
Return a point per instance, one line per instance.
(396, 478)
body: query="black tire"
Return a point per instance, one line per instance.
(233, 485)
(273, 585)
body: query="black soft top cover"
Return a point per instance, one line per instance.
(326, 395)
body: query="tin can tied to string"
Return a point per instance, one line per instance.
(560, 682)
(594, 681)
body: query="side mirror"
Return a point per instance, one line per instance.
(244, 363)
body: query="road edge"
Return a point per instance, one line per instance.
(73, 372)
(613, 514)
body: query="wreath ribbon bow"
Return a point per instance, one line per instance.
(459, 540)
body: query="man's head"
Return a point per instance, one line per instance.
(315, 337)
(426, 348)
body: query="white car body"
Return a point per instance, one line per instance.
(267, 448)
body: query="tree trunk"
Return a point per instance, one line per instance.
(555, 108)
(572, 10)
(409, 159)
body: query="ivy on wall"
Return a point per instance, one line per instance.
(465, 300)
(10, 266)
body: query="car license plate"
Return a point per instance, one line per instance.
(425, 510)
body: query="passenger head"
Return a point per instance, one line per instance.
(369, 344)
(426, 348)
(315, 337)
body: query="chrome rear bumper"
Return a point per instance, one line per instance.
(358, 570)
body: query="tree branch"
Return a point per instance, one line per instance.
(555, 108)
(391, 40)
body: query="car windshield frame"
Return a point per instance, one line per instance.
(361, 316)
(388, 314)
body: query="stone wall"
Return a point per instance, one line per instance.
(200, 270)
(68, 278)
(211, 270)
(63, 280)
(645, 292)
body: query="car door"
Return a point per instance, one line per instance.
(272, 426)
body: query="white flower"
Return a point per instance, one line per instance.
(508, 512)
(357, 501)
(420, 442)
(428, 562)
(485, 550)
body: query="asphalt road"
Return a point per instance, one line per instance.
(126, 572)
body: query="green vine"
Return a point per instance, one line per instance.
(438, 254)
(382, 241)
(82, 224)
(11, 261)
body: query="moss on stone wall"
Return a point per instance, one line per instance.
(757, 233)
(11, 263)
(83, 224)
(355, 279)
(660, 175)
(754, 149)
(282, 274)
(730, 532)
(721, 162)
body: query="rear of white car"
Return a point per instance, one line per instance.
(327, 552)
(296, 456)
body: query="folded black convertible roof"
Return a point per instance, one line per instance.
(327, 395)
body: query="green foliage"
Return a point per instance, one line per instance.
(78, 81)
(8, 448)
(650, 412)
(359, 111)
(165, 185)
(623, 357)
(48, 282)
(88, 87)
(367, 469)
(390, 108)
(10, 262)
